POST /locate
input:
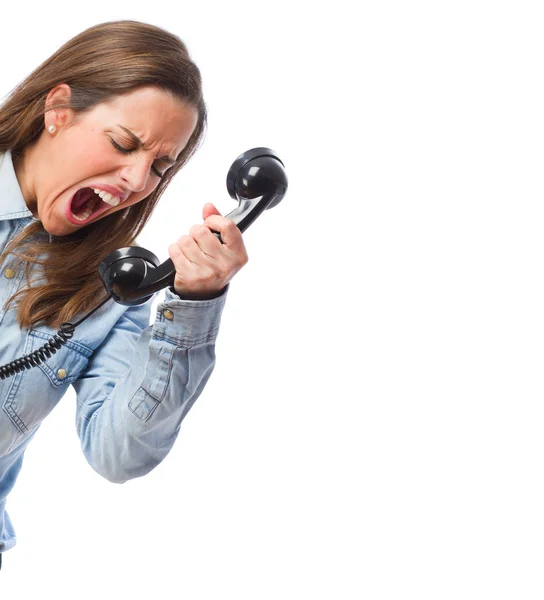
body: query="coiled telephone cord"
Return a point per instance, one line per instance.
(64, 334)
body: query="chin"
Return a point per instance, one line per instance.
(58, 229)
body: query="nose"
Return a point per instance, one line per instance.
(136, 175)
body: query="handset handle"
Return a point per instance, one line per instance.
(256, 179)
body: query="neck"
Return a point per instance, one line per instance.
(24, 165)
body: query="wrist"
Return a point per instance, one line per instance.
(198, 296)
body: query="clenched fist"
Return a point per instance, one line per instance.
(203, 264)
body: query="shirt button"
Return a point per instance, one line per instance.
(168, 314)
(9, 273)
(61, 373)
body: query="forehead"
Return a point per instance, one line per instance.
(155, 116)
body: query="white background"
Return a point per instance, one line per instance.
(374, 426)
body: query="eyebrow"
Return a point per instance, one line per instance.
(140, 144)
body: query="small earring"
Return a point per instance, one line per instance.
(51, 129)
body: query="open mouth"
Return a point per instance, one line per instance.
(88, 203)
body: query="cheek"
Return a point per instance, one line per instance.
(87, 156)
(91, 160)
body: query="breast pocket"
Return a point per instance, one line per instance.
(68, 362)
(34, 392)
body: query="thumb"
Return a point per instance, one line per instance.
(208, 210)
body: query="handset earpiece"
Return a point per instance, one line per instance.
(256, 179)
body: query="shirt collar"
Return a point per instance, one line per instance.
(12, 203)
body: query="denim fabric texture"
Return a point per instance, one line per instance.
(134, 381)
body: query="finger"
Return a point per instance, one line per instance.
(188, 247)
(208, 210)
(183, 266)
(230, 234)
(206, 240)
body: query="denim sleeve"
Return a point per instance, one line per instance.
(142, 381)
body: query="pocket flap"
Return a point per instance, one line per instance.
(66, 364)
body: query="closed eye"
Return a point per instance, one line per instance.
(129, 150)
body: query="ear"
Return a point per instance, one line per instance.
(57, 107)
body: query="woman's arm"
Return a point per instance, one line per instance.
(141, 382)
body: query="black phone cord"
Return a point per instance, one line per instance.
(64, 334)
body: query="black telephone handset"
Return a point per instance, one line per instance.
(132, 275)
(256, 179)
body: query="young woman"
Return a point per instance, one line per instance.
(88, 143)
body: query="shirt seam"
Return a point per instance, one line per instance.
(187, 342)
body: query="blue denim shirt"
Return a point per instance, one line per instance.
(134, 382)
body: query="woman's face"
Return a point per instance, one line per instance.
(103, 160)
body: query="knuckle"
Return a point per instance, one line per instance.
(185, 241)
(230, 226)
(198, 230)
(241, 258)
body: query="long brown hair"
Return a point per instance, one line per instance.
(102, 62)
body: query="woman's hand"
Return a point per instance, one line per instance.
(203, 264)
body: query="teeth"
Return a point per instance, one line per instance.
(107, 198)
(83, 215)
